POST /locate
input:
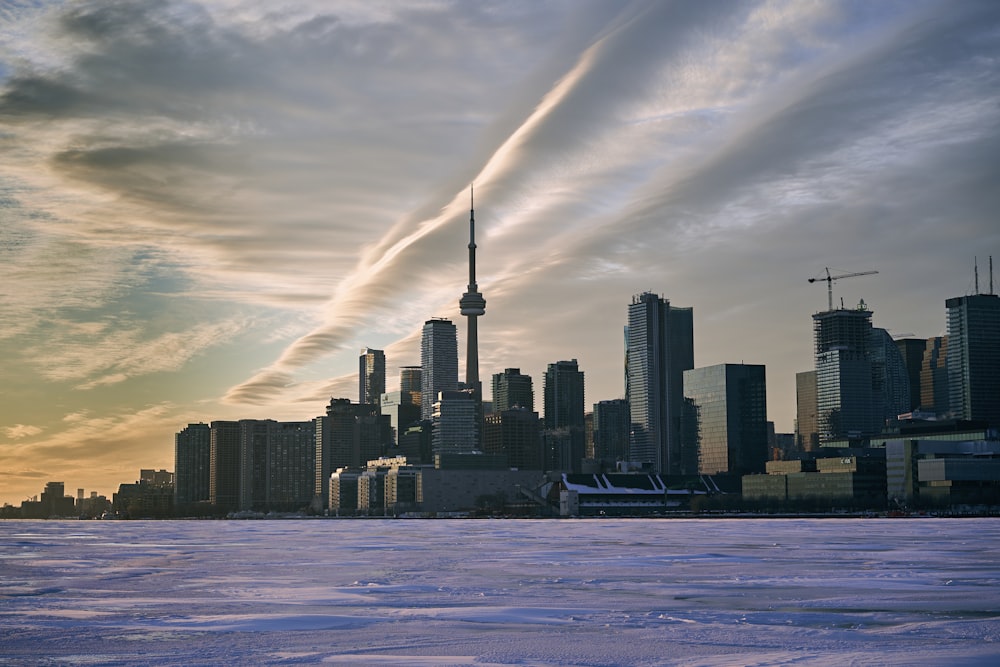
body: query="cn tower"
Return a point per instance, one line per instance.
(473, 305)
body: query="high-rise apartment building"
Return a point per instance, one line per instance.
(192, 465)
(438, 363)
(611, 431)
(973, 361)
(224, 480)
(563, 390)
(659, 348)
(511, 388)
(845, 404)
(371, 376)
(725, 418)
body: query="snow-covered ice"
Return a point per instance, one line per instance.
(502, 592)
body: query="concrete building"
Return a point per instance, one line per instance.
(224, 464)
(933, 472)
(725, 418)
(659, 348)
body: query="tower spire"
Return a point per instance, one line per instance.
(472, 304)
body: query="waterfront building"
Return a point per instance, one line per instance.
(659, 348)
(192, 465)
(224, 465)
(371, 376)
(725, 418)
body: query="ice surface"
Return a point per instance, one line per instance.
(502, 592)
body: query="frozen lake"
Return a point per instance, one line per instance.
(501, 592)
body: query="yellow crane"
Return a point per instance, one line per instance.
(830, 280)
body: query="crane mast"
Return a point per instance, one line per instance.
(830, 279)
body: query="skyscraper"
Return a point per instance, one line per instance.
(934, 376)
(806, 421)
(371, 376)
(512, 388)
(347, 436)
(845, 404)
(438, 363)
(659, 348)
(727, 418)
(409, 382)
(973, 360)
(563, 391)
(891, 381)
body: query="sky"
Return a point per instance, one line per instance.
(208, 208)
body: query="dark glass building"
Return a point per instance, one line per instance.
(973, 360)
(438, 363)
(725, 418)
(371, 376)
(512, 388)
(563, 391)
(659, 347)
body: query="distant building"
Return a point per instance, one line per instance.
(403, 409)
(930, 472)
(438, 363)
(224, 464)
(659, 348)
(564, 394)
(845, 403)
(911, 351)
(346, 436)
(934, 377)
(611, 432)
(192, 465)
(890, 380)
(806, 420)
(152, 496)
(516, 435)
(455, 422)
(725, 418)
(973, 360)
(512, 388)
(371, 376)
(410, 382)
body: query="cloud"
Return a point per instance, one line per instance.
(18, 431)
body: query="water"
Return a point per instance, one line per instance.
(492, 592)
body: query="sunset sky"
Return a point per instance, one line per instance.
(207, 208)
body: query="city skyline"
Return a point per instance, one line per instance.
(208, 211)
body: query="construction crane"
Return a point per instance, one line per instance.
(831, 278)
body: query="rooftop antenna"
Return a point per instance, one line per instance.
(991, 275)
(975, 273)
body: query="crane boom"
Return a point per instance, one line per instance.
(830, 280)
